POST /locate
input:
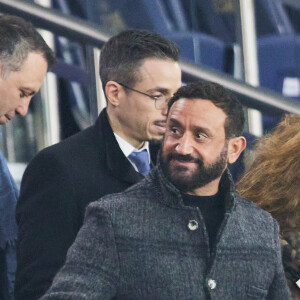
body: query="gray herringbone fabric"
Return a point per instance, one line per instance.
(138, 245)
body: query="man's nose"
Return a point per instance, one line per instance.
(22, 109)
(185, 145)
(164, 107)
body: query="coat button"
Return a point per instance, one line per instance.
(211, 283)
(193, 225)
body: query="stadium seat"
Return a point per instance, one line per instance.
(279, 68)
(167, 18)
(279, 60)
(201, 49)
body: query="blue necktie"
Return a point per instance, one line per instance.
(141, 160)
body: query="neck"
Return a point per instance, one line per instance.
(119, 130)
(210, 189)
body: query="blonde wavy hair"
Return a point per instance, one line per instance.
(273, 181)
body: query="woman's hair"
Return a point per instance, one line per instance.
(273, 181)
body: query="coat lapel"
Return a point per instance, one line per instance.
(117, 164)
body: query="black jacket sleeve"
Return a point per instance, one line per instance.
(47, 217)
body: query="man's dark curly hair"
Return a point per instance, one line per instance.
(221, 98)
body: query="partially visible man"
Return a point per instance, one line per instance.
(24, 60)
(139, 72)
(183, 232)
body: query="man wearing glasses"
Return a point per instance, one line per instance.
(139, 71)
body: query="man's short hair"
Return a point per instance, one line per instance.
(18, 38)
(220, 97)
(123, 54)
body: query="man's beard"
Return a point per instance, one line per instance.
(200, 177)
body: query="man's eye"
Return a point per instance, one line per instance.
(23, 94)
(174, 130)
(201, 136)
(159, 96)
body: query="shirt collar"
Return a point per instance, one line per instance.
(127, 148)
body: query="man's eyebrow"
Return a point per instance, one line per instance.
(159, 89)
(204, 130)
(175, 122)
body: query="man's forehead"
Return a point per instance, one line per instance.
(195, 105)
(32, 71)
(151, 67)
(199, 111)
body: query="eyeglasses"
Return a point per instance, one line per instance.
(160, 100)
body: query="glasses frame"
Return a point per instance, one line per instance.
(155, 98)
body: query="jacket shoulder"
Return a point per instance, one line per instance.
(254, 214)
(132, 196)
(86, 143)
(74, 142)
(249, 205)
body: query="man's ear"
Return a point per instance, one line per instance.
(235, 147)
(112, 92)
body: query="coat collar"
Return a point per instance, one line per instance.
(114, 158)
(169, 195)
(116, 162)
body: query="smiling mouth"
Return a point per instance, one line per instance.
(182, 162)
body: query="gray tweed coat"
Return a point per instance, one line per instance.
(145, 244)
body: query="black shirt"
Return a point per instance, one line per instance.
(212, 209)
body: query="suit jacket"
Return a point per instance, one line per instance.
(8, 231)
(56, 188)
(145, 244)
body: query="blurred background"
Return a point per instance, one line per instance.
(252, 47)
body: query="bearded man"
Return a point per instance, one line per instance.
(183, 232)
